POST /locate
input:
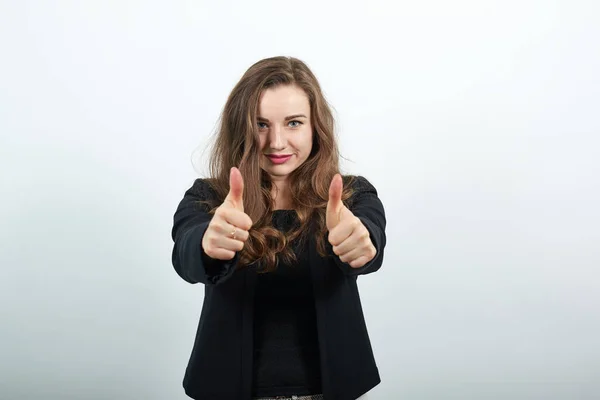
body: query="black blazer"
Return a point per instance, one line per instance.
(220, 366)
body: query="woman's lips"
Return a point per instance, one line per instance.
(279, 158)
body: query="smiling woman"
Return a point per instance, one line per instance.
(285, 134)
(279, 237)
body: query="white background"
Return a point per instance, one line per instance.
(478, 121)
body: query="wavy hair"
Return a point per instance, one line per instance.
(237, 144)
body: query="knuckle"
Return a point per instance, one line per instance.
(373, 252)
(222, 212)
(228, 254)
(334, 240)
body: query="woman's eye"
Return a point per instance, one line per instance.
(262, 125)
(295, 124)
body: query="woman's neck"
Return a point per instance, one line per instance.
(281, 194)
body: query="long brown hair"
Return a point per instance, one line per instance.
(237, 144)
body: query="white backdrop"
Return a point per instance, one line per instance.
(476, 120)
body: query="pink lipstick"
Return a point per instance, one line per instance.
(279, 159)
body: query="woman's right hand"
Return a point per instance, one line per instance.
(228, 229)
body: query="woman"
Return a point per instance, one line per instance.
(278, 238)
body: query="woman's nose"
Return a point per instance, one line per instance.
(276, 138)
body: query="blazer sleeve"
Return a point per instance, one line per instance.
(366, 205)
(190, 222)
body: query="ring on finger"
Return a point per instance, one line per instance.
(233, 232)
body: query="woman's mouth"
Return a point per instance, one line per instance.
(279, 158)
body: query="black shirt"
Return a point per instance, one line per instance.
(286, 349)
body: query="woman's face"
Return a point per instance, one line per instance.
(284, 129)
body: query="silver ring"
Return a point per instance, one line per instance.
(233, 233)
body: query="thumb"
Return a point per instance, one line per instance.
(334, 205)
(235, 197)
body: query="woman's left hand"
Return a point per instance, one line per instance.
(350, 239)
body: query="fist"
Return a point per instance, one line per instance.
(349, 237)
(228, 229)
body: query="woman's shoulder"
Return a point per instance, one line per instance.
(359, 184)
(202, 189)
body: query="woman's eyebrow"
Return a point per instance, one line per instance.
(286, 118)
(295, 116)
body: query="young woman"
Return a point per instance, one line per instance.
(278, 238)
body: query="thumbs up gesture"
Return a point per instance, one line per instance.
(228, 229)
(349, 237)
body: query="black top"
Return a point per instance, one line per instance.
(286, 346)
(221, 362)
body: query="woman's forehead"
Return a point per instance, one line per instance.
(282, 101)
